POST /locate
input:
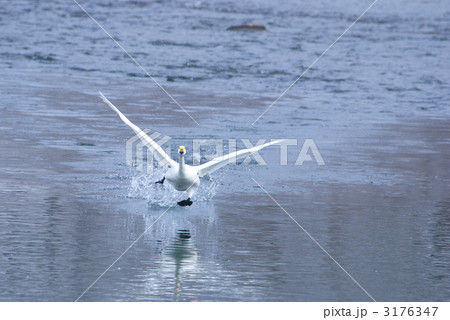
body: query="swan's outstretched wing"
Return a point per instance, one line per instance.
(162, 157)
(222, 161)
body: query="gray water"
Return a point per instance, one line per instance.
(376, 105)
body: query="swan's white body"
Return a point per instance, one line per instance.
(181, 176)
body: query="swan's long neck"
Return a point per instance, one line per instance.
(181, 168)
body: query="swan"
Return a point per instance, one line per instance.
(179, 175)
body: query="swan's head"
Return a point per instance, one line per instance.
(182, 150)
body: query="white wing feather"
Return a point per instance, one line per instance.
(222, 161)
(158, 151)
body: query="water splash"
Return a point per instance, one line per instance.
(142, 186)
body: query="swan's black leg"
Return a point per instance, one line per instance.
(186, 202)
(161, 181)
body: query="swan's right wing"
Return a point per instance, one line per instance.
(162, 157)
(222, 161)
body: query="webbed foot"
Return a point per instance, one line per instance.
(186, 202)
(161, 181)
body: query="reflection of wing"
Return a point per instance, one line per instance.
(162, 157)
(222, 161)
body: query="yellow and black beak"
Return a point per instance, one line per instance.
(182, 150)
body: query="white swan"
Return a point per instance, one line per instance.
(181, 176)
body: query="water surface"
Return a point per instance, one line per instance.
(376, 106)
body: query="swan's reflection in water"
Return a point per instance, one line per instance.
(183, 254)
(181, 237)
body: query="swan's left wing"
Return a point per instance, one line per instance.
(162, 157)
(222, 161)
